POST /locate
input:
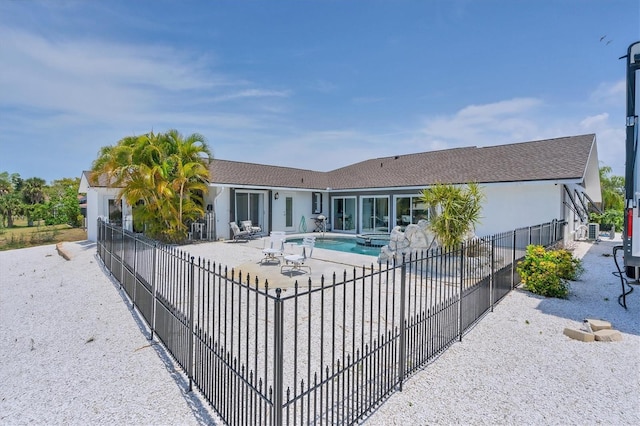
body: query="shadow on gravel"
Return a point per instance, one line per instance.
(196, 403)
(595, 294)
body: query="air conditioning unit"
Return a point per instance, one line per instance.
(593, 231)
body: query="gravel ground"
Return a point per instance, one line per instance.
(71, 352)
(517, 368)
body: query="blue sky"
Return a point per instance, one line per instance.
(309, 84)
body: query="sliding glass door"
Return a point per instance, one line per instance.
(375, 214)
(250, 206)
(410, 210)
(344, 214)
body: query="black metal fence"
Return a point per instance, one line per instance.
(326, 352)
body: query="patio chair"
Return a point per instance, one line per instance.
(238, 234)
(248, 226)
(295, 262)
(275, 248)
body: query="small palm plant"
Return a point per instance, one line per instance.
(454, 211)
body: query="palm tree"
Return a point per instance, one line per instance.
(116, 163)
(5, 183)
(612, 190)
(33, 193)
(10, 200)
(190, 173)
(162, 175)
(453, 211)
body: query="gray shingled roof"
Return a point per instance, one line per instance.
(239, 173)
(550, 159)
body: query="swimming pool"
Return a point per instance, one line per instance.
(343, 244)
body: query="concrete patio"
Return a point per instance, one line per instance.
(245, 257)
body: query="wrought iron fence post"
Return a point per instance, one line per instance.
(122, 259)
(135, 271)
(154, 294)
(278, 320)
(513, 260)
(99, 242)
(111, 253)
(530, 237)
(403, 327)
(461, 291)
(191, 322)
(492, 259)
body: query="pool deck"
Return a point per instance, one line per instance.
(245, 257)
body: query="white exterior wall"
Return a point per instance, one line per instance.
(511, 206)
(98, 206)
(506, 207)
(221, 209)
(92, 214)
(302, 206)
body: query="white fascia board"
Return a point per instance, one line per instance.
(420, 188)
(592, 175)
(578, 182)
(536, 182)
(266, 188)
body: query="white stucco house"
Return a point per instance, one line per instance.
(525, 184)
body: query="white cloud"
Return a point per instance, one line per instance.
(77, 95)
(95, 92)
(609, 94)
(610, 137)
(109, 82)
(499, 109)
(253, 93)
(593, 122)
(508, 121)
(489, 124)
(49, 73)
(526, 119)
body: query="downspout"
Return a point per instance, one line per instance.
(270, 211)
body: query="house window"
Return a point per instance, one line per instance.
(410, 210)
(317, 203)
(115, 212)
(288, 212)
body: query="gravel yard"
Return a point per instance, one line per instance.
(72, 352)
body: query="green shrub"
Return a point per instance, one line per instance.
(608, 219)
(547, 272)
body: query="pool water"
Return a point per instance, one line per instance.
(345, 245)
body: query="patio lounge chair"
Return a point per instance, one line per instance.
(295, 262)
(238, 234)
(248, 226)
(275, 248)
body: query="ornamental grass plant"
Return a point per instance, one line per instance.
(548, 272)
